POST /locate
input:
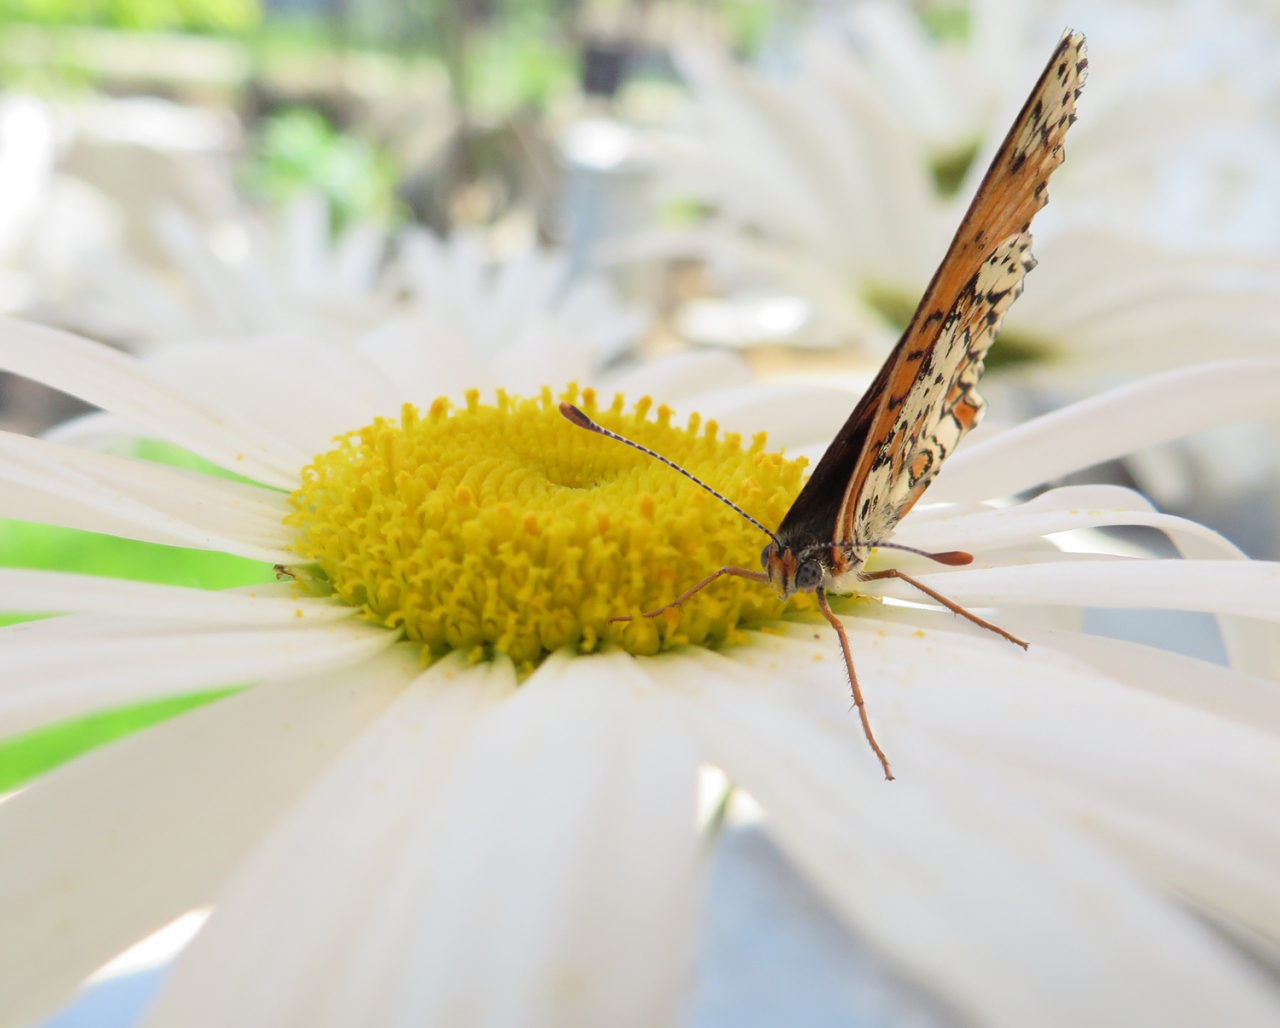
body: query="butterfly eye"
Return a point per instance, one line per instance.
(764, 555)
(808, 575)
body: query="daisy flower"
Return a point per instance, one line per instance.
(456, 793)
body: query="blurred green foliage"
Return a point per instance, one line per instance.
(517, 64)
(945, 21)
(234, 16)
(894, 304)
(684, 211)
(298, 151)
(1015, 349)
(950, 168)
(749, 22)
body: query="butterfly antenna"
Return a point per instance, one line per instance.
(582, 421)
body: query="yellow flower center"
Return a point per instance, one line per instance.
(505, 529)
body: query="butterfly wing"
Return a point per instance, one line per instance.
(925, 398)
(943, 403)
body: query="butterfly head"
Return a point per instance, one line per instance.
(788, 573)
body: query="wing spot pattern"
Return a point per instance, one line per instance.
(932, 422)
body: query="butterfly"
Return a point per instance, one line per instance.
(924, 399)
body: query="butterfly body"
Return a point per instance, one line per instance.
(804, 568)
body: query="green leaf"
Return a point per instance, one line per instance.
(32, 753)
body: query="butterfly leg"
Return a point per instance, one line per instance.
(754, 576)
(835, 622)
(951, 605)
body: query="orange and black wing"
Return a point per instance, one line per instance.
(925, 399)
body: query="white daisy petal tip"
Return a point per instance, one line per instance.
(121, 385)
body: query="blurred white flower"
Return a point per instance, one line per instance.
(33, 198)
(27, 152)
(241, 283)
(81, 179)
(822, 184)
(151, 247)
(526, 317)
(386, 845)
(461, 321)
(229, 278)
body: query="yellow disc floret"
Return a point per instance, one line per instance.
(505, 529)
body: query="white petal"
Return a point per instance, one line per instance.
(137, 499)
(422, 360)
(1154, 410)
(1245, 598)
(97, 430)
(1061, 510)
(1250, 588)
(681, 377)
(110, 847)
(290, 917)
(1185, 795)
(300, 390)
(109, 379)
(1252, 647)
(238, 300)
(1251, 701)
(69, 665)
(793, 413)
(551, 883)
(1011, 917)
(1121, 305)
(47, 592)
(1155, 782)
